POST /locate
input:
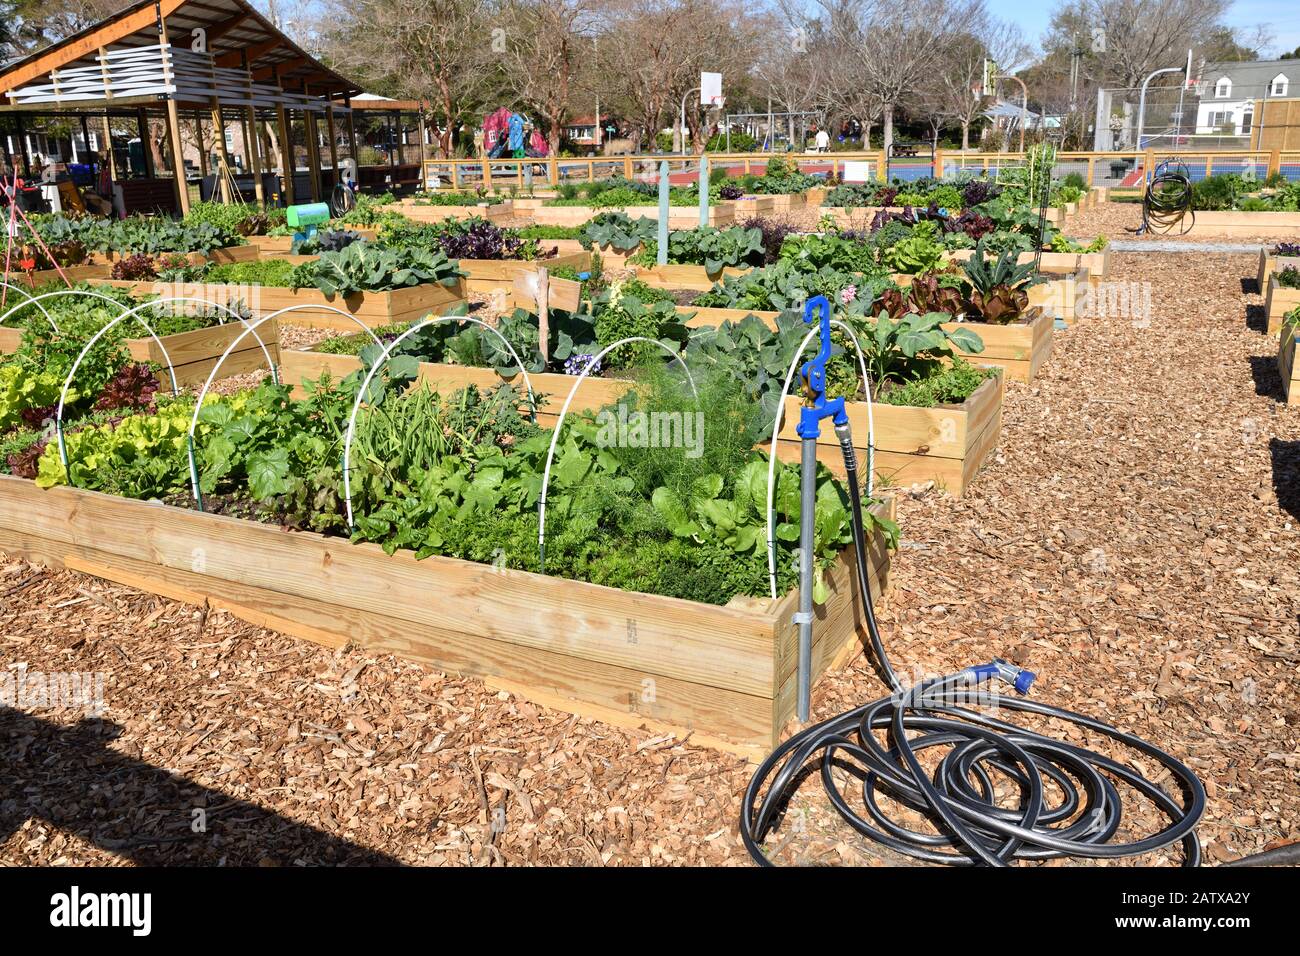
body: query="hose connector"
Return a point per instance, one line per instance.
(845, 435)
(1018, 677)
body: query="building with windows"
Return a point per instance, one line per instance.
(1230, 92)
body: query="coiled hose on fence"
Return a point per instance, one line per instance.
(954, 712)
(1167, 202)
(342, 200)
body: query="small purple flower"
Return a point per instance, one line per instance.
(577, 363)
(848, 294)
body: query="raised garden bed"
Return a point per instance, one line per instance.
(1096, 264)
(278, 246)
(1288, 367)
(488, 275)
(422, 212)
(193, 354)
(693, 278)
(679, 217)
(947, 444)
(373, 309)
(1269, 263)
(1278, 301)
(1237, 223)
(727, 673)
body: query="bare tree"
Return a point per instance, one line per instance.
(441, 54)
(546, 41)
(892, 46)
(1125, 40)
(958, 84)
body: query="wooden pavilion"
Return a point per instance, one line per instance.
(206, 64)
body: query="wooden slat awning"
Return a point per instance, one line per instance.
(236, 36)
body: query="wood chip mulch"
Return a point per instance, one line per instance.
(1134, 541)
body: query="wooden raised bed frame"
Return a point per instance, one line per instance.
(1278, 302)
(1268, 263)
(679, 217)
(373, 309)
(194, 354)
(947, 444)
(488, 275)
(1237, 223)
(726, 673)
(1288, 367)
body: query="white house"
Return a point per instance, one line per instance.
(1229, 92)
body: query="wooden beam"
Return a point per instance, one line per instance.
(146, 143)
(313, 151)
(334, 146)
(253, 143)
(219, 130)
(249, 53)
(61, 54)
(218, 30)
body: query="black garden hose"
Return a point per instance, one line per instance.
(342, 200)
(952, 712)
(1167, 202)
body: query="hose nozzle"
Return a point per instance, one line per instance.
(1018, 677)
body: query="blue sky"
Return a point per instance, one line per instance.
(1279, 15)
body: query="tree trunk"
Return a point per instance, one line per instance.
(889, 126)
(965, 134)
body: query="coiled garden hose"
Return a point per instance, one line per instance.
(1167, 202)
(958, 796)
(342, 200)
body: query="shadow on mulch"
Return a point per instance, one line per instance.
(1250, 286)
(1256, 318)
(69, 777)
(1286, 474)
(1263, 369)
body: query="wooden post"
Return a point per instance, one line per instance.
(627, 166)
(253, 143)
(313, 148)
(1274, 161)
(543, 313)
(352, 136)
(219, 130)
(178, 160)
(334, 146)
(108, 128)
(424, 134)
(198, 138)
(145, 143)
(286, 154)
(108, 145)
(1092, 170)
(937, 165)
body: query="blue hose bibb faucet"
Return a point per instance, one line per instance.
(813, 372)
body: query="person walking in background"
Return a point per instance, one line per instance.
(821, 141)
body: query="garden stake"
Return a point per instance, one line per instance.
(664, 186)
(704, 191)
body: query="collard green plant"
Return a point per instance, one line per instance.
(362, 267)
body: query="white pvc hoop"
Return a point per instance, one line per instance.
(194, 421)
(31, 300)
(559, 423)
(776, 430)
(132, 313)
(379, 362)
(59, 293)
(67, 383)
